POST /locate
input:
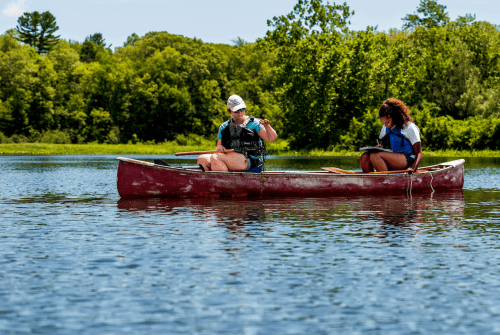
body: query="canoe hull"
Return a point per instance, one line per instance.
(143, 179)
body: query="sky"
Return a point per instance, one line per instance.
(218, 21)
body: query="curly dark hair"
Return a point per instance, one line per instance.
(396, 110)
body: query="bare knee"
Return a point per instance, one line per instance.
(375, 156)
(365, 158)
(366, 165)
(378, 162)
(204, 160)
(217, 164)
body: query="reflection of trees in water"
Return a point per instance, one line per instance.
(378, 215)
(443, 210)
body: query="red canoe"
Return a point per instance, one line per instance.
(144, 179)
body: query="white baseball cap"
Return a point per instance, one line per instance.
(235, 102)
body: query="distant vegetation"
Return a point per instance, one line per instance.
(318, 82)
(280, 147)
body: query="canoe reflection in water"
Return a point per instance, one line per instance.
(230, 213)
(441, 210)
(436, 212)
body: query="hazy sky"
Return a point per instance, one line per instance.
(212, 21)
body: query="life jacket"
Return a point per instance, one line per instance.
(397, 142)
(245, 141)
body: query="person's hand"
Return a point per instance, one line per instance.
(379, 145)
(264, 122)
(220, 148)
(410, 170)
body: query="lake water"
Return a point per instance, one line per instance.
(75, 259)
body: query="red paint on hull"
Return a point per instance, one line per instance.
(144, 179)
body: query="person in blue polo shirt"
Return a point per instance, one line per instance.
(243, 133)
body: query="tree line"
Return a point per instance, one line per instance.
(318, 82)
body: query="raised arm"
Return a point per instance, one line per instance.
(219, 147)
(267, 133)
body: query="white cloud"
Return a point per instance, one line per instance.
(14, 9)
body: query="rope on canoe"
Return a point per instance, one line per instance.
(432, 178)
(262, 182)
(409, 183)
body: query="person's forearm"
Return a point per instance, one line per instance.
(271, 134)
(417, 162)
(219, 147)
(417, 150)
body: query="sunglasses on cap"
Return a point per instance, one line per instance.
(243, 110)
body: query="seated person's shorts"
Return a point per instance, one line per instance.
(410, 159)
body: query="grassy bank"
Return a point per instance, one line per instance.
(169, 148)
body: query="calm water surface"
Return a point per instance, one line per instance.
(75, 259)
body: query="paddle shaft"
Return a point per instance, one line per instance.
(201, 152)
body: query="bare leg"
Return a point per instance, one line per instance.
(231, 161)
(387, 161)
(205, 161)
(366, 164)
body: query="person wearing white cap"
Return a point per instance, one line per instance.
(244, 134)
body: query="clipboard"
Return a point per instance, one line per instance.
(374, 149)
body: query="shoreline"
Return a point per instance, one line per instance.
(44, 149)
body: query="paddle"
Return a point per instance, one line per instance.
(201, 152)
(337, 170)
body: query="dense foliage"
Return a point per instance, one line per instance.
(153, 88)
(319, 83)
(331, 81)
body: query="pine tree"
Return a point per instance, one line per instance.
(91, 46)
(27, 27)
(37, 30)
(97, 39)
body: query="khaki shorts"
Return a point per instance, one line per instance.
(249, 163)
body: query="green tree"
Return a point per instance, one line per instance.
(37, 30)
(96, 39)
(47, 40)
(326, 75)
(132, 39)
(28, 28)
(92, 45)
(466, 20)
(100, 125)
(239, 42)
(17, 76)
(71, 86)
(308, 18)
(434, 15)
